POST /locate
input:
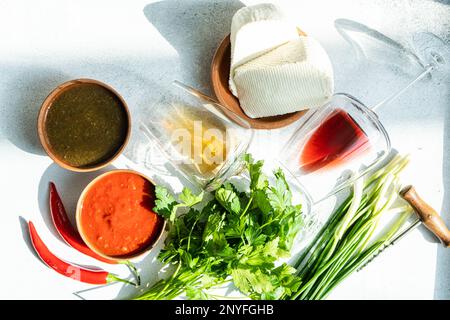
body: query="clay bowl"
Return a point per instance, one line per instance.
(47, 104)
(220, 73)
(137, 255)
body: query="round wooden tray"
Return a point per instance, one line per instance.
(220, 73)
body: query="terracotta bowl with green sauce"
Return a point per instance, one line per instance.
(84, 125)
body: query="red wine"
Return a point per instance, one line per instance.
(339, 138)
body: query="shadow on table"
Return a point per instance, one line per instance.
(26, 236)
(442, 282)
(26, 89)
(447, 2)
(69, 186)
(195, 29)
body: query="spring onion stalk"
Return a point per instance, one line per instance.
(347, 242)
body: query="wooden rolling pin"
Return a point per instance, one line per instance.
(427, 215)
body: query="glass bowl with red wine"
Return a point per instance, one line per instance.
(335, 144)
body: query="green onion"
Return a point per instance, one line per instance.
(346, 242)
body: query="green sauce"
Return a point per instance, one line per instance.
(86, 125)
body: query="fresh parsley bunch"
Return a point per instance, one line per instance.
(236, 236)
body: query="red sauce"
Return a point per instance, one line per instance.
(117, 215)
(339, 138)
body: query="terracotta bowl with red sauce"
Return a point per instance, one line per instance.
(115, 215)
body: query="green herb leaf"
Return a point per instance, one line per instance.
(251, 281)
(280, 196)
(189, 199)
(165, 202)
(228, 198)
(258, 180)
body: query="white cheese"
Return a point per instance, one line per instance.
(273, 70)
(256, 30)
(295, 76)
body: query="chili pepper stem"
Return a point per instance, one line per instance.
(133, 270)
(113, 278)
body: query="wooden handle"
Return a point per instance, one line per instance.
(430, 218)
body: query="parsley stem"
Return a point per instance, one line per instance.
(247, 206)
(170, 280)
(278, 218)
(190, 233)
(242, 215)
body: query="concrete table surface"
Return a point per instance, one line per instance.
(139, 47)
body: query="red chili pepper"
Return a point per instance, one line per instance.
(67, 269)
(66, 230)
(70, 234)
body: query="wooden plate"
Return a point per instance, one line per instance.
(220, 73)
